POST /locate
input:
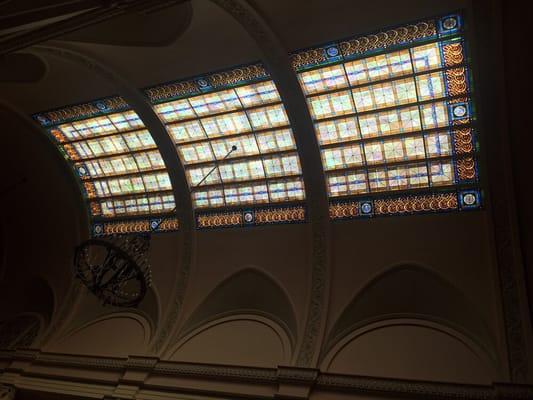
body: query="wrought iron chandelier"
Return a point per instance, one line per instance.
(117, 270)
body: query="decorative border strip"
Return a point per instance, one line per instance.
(81, 111)
(147, 225)
(371, 43)
(469, 199)
(207, 83)
(252, 217)
(354, 384)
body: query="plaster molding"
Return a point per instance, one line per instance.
(184, 210)
(137, 316)
(281, 331)
(216, 372)
(66, 360)
(368, 385)
(245, 378)
(276, 58)
(141, 363)
(422, 321)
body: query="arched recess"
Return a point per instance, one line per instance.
(176, 171)
(89, 308)
(407, 348)
(419, 294)
(105, 336)
(238, 339)
(248, 291)
(275, 57)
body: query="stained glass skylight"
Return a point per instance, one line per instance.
(393, 117)
(240, 109)
(392, 110)
(115, 156)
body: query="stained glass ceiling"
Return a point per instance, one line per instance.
(120, 167)
(393, 118)
(264, 166)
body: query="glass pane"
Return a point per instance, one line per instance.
(390, 122)
(350, 183)
(430, 86)
(268, 117)
(197, 152)
(242, 170)
(227, 124)
(279, 140)
(245, 146)
(342, 157)
(426, 57)
(196, 174)
(322, 79)
(331, 105)
(174, 110)
(186, 132)
(380, 67)
(217, 102)
(284, 165)
(337, 130)
(258, 93)
(384, 95)
(287, 190)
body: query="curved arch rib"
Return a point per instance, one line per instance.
(184, 211)
(276, 59)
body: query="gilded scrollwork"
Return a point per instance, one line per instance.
(416, 204)
(81, 111)
(463, 140)
(137, 226)
(466, 168)
(457, 82)
(238, 75)
(453, 54)
(382, 40)
(348, 209)
(171, 90)
(279, 215)
(219, 220)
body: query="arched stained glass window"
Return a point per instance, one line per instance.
(122, 174)
(393, 114)
(240, 108)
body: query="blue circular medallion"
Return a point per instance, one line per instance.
(366, 208)
(449, 23)
(248, 217)
(332, 51)
(459, 111)
(202, 83)
(101, 106)
(469, 199)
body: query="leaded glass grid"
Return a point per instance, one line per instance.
(119, 165)
(392, 110)
(207, 116)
